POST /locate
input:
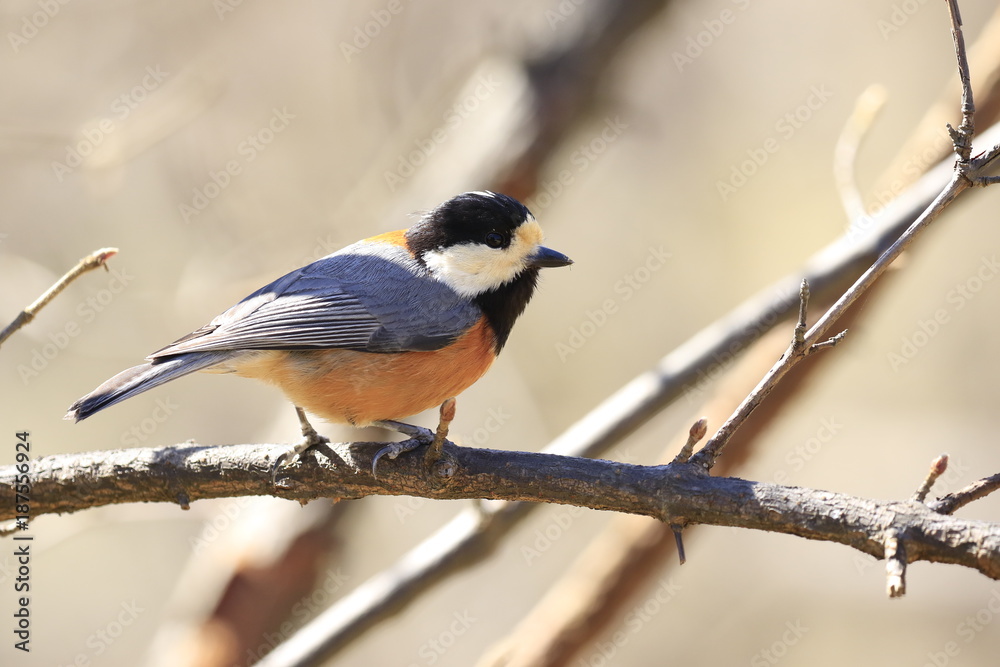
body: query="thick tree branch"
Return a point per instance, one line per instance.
(681, 494)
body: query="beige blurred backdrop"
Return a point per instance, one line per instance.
(164, 97)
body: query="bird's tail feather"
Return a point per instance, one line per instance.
(140, 378)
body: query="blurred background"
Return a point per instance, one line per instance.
(220, 145)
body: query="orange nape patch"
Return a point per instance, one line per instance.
(397, 237)
(362, 387)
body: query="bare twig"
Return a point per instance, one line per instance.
(953, 501)
(679, 540)
(88, 263)
(799, 333)
(695, 434)
(938, 467)
(962, 137)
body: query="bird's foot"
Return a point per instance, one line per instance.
(419, 436)
(310, 438)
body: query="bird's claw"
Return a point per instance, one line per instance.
(287, 457)
(394, 449)
(419, 437)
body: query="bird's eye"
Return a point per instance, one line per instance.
(494, 240)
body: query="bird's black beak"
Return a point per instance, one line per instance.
(546, 258)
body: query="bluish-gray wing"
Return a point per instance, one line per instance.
(356, 299)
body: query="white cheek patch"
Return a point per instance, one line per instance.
(473, 268)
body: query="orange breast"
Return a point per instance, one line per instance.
(362, 387)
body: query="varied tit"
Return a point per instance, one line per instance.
(383, 329)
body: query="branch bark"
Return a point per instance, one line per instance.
(680, 494)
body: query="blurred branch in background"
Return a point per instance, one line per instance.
(564, 85)
(249, 588)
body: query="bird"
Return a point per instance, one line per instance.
(376, 332)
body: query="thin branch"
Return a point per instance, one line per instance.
(92, 261)
(962, 137)
(952, 502)
(938, 468)
(695, 435)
